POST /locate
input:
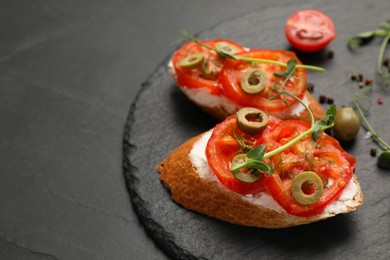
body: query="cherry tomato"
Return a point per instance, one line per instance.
(269, 99)
(205, 75)
(309, 30)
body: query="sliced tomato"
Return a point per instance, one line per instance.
(205, 76)
(309, 30)
(269, 99)
(325, 157)
(222, 147)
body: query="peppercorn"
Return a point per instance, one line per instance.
(361, 77)
(354, 76)
(380, 101)
(310, 87)
(322, 99)
(330, 100)
(361, 85)
(330, 55)
(373, 152)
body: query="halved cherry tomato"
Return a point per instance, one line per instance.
(269, 99)
(309, 30)
(325, 157)
(204, 76)
(221, 150)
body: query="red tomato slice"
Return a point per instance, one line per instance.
(206, 75)
(309, 30)
(325, 157)
(267, 100)
(220, 152)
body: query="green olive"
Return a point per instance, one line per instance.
(227, 47)
(251, 175)
(251, 120)
(305, 178)
(346, 124)
(253, 81)
(192, 61)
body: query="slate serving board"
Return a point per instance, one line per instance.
(161, 118)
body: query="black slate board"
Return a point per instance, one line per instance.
(162, 118)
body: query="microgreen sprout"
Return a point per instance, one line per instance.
(384, 156)
(366, 37)
(256, 155)
(225, 54)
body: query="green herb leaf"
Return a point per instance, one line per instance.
(384, 160)
(257, 153)
(315, 135)
(261, 166)
(385, 25)
(326, 122)
(331, 113)
(291, 66)
(361, 39)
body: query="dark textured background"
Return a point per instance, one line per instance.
(69, 71)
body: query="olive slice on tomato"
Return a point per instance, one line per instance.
(253, 81)
(307, 178)
(247, 175)
(251, 120)
(192, 61)
(227, 47)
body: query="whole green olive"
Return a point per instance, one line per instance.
(346, 124)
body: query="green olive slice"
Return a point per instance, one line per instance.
(192, 61)
(251, 120)
(251, 175)
(305, 178)
(227, 47)
(253, 81)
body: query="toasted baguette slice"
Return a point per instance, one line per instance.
(220, 107)
(190, 188)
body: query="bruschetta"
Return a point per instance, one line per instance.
(217, 84)
(306, 181)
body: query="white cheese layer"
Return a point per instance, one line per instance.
(198, 159)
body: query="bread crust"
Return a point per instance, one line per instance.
(213, 199)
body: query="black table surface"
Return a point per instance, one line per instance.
(69, 71)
